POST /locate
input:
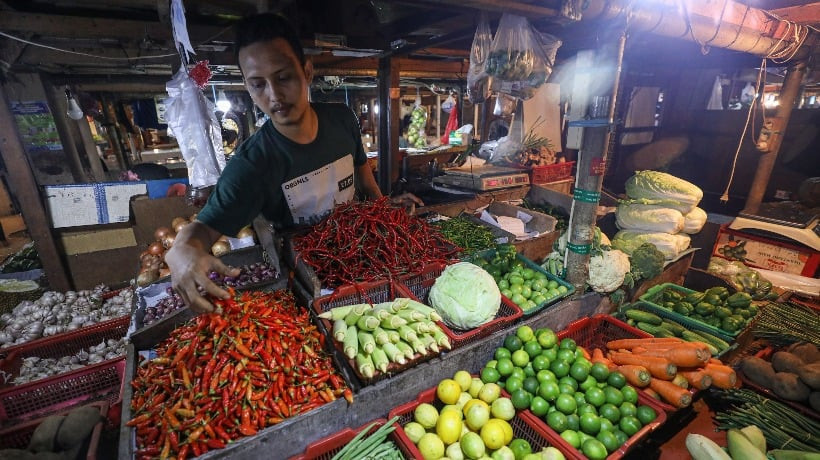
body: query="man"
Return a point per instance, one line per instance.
(301, 163)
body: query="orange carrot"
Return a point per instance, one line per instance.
(598, 357)
(671, 393)
(584, 352)
(681, 356)
(647, 342)
(658, 367)
(715, 361)
(698, 378)
(635, 375)
(639, 350)
(723, 377)
(652, 393)
(680, 381)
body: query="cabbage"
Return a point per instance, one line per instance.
(683, 208)
(649, 218)
(694, 221)
(670, 245)
(465, 296)
(656, 185)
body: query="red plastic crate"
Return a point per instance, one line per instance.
(326, 448)
(596, 331)
(60, 345)
(551, 173)
(62, 392)
(419, 286)
(522, 427)
(18, 436)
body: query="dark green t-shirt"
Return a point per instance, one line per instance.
(290, 184)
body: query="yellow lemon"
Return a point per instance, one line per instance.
(431, 447)
(492, 433)
(503, 408)
(426, 415)
(462, 400)
(464, 379)
(448, 391)
(477, 416)
(448, 427)
(475, 387)
(469, 404)
(451, 408)
(414, 431)
(454, 452)
(489, 392)
(508, 431)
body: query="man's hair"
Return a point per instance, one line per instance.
(265, 27)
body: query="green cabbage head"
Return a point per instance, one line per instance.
(465, 296)
(659, 188)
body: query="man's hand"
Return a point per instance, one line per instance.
(408, 201)
(190, 264)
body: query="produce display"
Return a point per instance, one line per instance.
(559, 215)
(163, 308)
(59, 436)
(466, 234)
(23, 260)
(792, 374)
(715, 306)
(373, 445)
(595, 409)
(465, 296)
(743, 278)
(56, 312)
(747, 443)
(383, 336)
(262, 356)
(367, 241)
(526, 287)
(667, 367)
(468, 418)
(33, 368)
(415, 132)
(12, 292)
(661, 327)
(784, 323)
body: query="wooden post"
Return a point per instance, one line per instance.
(591, 167)
(114, 134)
(57, 103)
(90, 148)
(389, 110)
(28, 195)
(772, 136)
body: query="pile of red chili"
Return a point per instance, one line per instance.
(222, 377)
(367, 241)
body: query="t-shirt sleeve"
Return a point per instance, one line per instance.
(359, 157)
(236, 199)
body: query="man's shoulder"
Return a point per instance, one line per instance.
(333, 109)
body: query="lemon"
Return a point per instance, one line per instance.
(503, 408)
(508, 431)
(492, 433)
(472, 445)
(448, 427)
(414, 431)
(464, 380)
(475, 387)
(471, 403)
(448, 391)
(450, 408)
(431, 447)
(462, 400)
(454, 452)
(489, 392)
(504, 453)
(426, 415)
(477, 416)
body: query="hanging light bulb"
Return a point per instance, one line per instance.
(222, 102)
(74, 111)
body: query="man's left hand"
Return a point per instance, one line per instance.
(408, 201)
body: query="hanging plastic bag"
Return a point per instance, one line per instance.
(478, 82)
(448, 103)
(418, 121)
(192, 121)
(452, 123)
(521, 59)
(504, 105)
(716, 98)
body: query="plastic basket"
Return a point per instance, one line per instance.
(523, 427)
(551, 173)
(652, 297)
(18, 436)
(326, 448)
(596, 331)
(62, 392)
(686, 322)
(60, 345)
(490, 253)
(376, 292)
(419, 286)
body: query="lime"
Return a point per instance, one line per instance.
(594, 449)
(538, 285)
(516, 279)
(588, 383)
(546, 338)
(526, 292)
(414, 431)
(506, 293)
(520, 448)
(567, 380)
(454, 452)
(608, 439)
(557, 421)
(525, 333)
(565, 354)
(646, 414)
(425, 415)
(448, 427)
(565, 403)
(614, 396)
(628, 409)
(504, 366)
(595, 396)
(528, 370)
(491, 363)
(531, 385)
(579, 398)
(580, 357)
(464, 379)
(472, 445)
(552, 284)
(521, 399)
(532, 348)
(548, 390)
(477, 416)
(502, 408)
(573, 422)
(519, 373)
(539, 406)
(516, 288)
(616, 379)
(448, 391)
(579, 371)
(538, 299)
(512, 384)
(501, 353)
(562, 289)
(528, 273)
(489, 375)
(566, 389)
(513, 343)
(462, 400)
(503, 284)
(431, 446)
(540, 363)
(546, 375)
(629, 425)
(606, 425)
(590, 424)
(621, 436)
(551, 352)
(519, 299)
(630, 394)
(560, 368)
(572, 438)
(586, 408)
(610, 412)
(520, 358)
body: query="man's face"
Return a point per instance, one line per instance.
(276, 80)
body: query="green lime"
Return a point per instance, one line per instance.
(586, 408)
(489, 375)
(566, 389)
(629, 425)
(588, 383)
(518, 373)
(518, 299)
(531, 385)
(551, 352)
(538, 299)
(520, 358)
(501, 353)
(539, 406)
(579, 371)
(546, 375)
(573, 421)
(614, 396)
(526, 292)
(560, 368)
(566, 355)
(579, 398)
(608, 439)
(621, 436)
(646, 414)
(521, 399)
(628, 409)
(532, 348)
(512, 384)
(516, 288)
(525, 333)
(557, 421)
(506, 293)
(616, 379)
(566, 404)
(546, 338)
(552, 284)
(579, 356)
(549, 391)
(537, 285)
(571, 437)
(520, 448)
(590, 424)
(562, 289)
(491, 363)
(504, 366)
(594, 449)
(540, 363)
(528, 370)
(528, 283)
(503, 284)
(610, 412)
(606, 425)
(595, 396)
(568, 344)
(513, 343)
(567, 380)
(516, 279)
(528, 273)
(630, 394)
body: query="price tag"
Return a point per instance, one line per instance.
(579, 248)
(586, 196)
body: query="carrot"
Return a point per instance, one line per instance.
(647, 342)
(652, 393)
(723, 377)
(635, 375)
(681, 356)
(639, 350)
(716, 361)
(598, 357)
(680, 381)
(657, 366)
(698, 378)
(584, 352)
(671, 393)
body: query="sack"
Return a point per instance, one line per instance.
(521, 58)
(478, 82)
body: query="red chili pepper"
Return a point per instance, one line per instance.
(216, 444)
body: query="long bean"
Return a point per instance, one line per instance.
(787, 322)
(374, 445)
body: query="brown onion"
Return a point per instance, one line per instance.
(148, 276)
(163, 272)
(179, 226)
(193, 217)
(223, 238)
(246, 232)
(168, 241)
(148, 259)
(160, 233)
(177, 221)
(155, 248)
(220, 248)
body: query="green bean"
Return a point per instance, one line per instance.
(468, 235)
(787, 322)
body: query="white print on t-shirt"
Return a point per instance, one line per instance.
(313, 196)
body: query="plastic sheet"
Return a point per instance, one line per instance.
(478, 82)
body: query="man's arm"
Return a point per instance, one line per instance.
(366, 183)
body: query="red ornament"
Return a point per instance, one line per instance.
(200, 74)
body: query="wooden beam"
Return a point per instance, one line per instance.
(390, 105)
(801, 14)
(25, 189)
(56, 99)
(164, 12)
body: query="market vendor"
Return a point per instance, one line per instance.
(304, 160)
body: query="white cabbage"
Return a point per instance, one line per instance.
(649, 218)
(670, 245)
(694, 221)
(656, 185)
(465, 296)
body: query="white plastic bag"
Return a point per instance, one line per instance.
(191, 120)
(478, 82)
(716, 99)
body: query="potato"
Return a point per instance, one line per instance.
(758, 371)
(78, 425)
(788, 386)
(783, 361)
(45, 435)
(810, 375)
(814, 400)
(807, 352)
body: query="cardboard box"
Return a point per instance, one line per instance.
(147, 215)
(769, 254)
(112, 266)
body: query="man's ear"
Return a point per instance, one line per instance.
(309, 70)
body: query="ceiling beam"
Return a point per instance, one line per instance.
(801, 14)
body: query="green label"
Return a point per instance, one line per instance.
(579, 248)
(587, 196)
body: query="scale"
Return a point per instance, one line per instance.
(785, 219)
(483, 178)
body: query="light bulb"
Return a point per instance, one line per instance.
(74, 111)
(222, 103)
(376, 109)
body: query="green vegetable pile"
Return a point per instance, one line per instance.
(714, 307)
(415, 133)
(466, 234)
(787, 322)
(743, 278)
(651, 323)
(550, 210)
(645, 263)
(24, 260)
(374, 445)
